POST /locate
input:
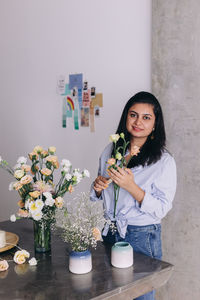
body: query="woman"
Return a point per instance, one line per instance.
(147, 185)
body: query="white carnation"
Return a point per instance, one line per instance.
(47, 195)
(66, 163)
(68, 177)
(32, 261)
(86, 173)
(22, 160)
(49, 202)
(13, 218)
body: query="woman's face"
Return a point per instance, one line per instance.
(140, 121)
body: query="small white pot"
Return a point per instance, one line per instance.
(122, 255)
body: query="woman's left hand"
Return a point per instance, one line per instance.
(122, 177)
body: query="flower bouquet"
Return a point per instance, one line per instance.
(39, 195)
(118, 160)
(80, 223)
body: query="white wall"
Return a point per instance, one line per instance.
(108, 41)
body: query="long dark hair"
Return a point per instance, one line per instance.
(152, 149)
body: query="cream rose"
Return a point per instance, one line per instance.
(114, 137)
(52, 150)
(26, 168)
(26, 179)
(38, 149)
(118, 156)
(20, 203)
(46, 171)
(20, 256)
(17, 185)
(23, 213)
(59, 202)
(3, 265)
(33, 155)
(19, 174)
(35, 194)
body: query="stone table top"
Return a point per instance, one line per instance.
(51, 279)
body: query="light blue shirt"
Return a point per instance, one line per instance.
(159, 184)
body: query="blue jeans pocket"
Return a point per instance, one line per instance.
(145, 239)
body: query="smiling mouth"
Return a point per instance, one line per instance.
(137, 129)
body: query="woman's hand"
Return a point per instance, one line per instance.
(100, 183)
(122, 177)
(125, 179)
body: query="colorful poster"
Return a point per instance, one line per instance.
(81, 104)
(86, 98)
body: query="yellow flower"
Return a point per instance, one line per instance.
(3, 265)
(35, 194)
(20, 256)
(59, 202)
(52, 150)
(111, 161)
(20, 203)
(19, 174)
(38, 149)
(118, 156)
(26, 179)
(114, 137)
(96, 233)
(46, 171)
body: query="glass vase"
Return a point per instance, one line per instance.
(42, 236)
(80, 262)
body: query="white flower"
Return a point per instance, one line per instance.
(114, 137)
(20, 256)
(66, 163)
(49, 202)
(32, 261)
(33, 208)
(37, 215)
(65, 169)
(11, 186)
(13, 218)
(68, 177)
(77, 176)
(47, 195)
(17, 166)
(22, 160)
(39, 203)
(86, 173)
(25, 253)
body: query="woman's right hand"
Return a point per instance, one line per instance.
(100, 183)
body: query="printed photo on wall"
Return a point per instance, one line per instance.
(96, 111)
(85, 116)
(93, 92)
(85, 85)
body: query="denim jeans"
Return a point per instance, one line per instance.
(143, 239)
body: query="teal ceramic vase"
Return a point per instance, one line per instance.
(122, 255)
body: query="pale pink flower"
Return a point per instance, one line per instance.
(111, 161)
(26, 179)
(3, 265)
(42, 187)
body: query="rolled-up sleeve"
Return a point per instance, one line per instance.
(160, 194)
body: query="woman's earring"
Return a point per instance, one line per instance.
(152, 135)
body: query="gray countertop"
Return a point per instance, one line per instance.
(51, 279)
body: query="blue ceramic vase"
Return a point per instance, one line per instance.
(80, 262)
